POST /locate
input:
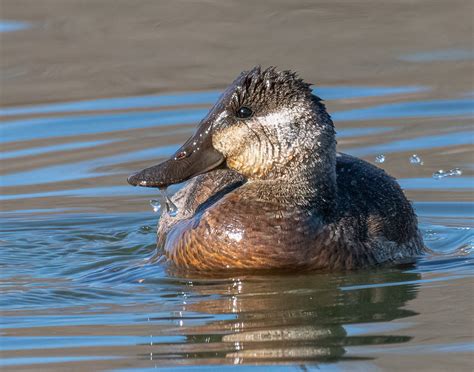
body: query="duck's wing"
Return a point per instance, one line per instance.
(199, 192)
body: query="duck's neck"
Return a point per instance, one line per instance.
(302, 168)
(310, 185)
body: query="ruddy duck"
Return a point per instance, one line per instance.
(268, 190)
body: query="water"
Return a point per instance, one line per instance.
(80, 285)
(416, 160)
(380, 159)
(449, 173)
(157, 206)
(10, 26)
(164, 204)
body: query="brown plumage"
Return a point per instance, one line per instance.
(273, 193)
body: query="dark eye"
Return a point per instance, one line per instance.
(180, 155)
(244, 112)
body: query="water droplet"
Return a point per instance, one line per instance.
(380, 158)
(439, 174)
(416, 160)
(170, 207)
(145, 229)
(442, 174)
(164, 204)
(156, 205)
(455, 172)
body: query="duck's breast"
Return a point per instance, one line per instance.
(241, 232)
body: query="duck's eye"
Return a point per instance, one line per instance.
(180, 155)
(244, 112)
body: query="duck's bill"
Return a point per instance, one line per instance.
(195, 157)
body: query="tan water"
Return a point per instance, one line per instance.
(92, 91)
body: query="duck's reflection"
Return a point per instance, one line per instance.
(292, 318)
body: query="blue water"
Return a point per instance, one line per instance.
(11, 26)
(196, 98)
(79, 287)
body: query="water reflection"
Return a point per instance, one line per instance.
(417, 143)
(433, 108)
(192, 98)
(286, 318)
(87, 100)
(11, 26)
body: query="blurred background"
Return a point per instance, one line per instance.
(71, 50)
(93, 90)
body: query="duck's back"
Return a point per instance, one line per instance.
(373, 211)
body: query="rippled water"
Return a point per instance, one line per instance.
(78, 285)
(79, 289)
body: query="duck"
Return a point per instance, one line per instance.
(266, 189)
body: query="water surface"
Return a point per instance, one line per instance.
(79, 289)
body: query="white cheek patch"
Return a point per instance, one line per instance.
(229, 140)
(277, 119)
(278, 124)
(291, 133)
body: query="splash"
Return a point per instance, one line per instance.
(416, 160)
(164, 203)
(156, 204)
(380, 158)
(442, 173)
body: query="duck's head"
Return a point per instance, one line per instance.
(264, 125)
